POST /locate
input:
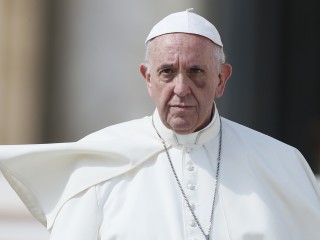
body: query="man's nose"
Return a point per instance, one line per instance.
(182, 85)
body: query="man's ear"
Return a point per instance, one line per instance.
(224, 75)
(146, 75)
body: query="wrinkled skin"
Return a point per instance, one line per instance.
(183, 78)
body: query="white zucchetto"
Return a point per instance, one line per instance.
(186, 22)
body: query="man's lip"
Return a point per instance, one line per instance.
(181, 106)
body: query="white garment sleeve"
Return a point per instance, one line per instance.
(79, 218)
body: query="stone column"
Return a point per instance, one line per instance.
(22, 66)
(22, 42)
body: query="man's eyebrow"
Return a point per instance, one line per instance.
(165, 65)
(197, 66)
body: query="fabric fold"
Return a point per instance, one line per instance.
(45, 176)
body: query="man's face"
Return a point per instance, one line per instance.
(183, 78)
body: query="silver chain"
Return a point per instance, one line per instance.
(207, 236)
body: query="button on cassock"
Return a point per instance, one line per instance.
(191, 187)
(192, 223)
(188, 149)
(193, 206)
(190, 167)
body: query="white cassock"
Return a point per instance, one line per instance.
(117, 183)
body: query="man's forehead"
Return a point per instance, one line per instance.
(185, 22)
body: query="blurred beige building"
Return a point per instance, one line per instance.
(22, 64)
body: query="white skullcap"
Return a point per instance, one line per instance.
(186, 22)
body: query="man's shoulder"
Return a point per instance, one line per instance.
(252, 137)
(129, 129)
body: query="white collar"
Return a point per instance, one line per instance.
(196, 138)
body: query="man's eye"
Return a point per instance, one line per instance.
(196, 70)
(166, 71)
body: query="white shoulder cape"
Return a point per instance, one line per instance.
(45, 176)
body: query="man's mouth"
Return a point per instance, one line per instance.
(181, 106)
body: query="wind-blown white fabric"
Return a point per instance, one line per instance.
(267, 190)
(45, 176)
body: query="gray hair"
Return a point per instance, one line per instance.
(218, 53)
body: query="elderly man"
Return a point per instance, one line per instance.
(182, 173)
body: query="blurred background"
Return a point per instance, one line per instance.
(70, 67)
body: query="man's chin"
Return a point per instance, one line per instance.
(182, 109)
(182, 126)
